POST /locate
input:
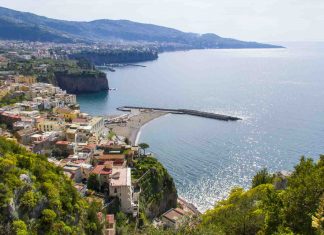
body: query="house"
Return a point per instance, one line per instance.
(70, 99)
(119, 160)
(120, 186)
(103, 173)
(81, 188)
(64, 146)
(97, 125)
(66, 113)
(110, 228)
(47, 125)
(75, 172)
(24, 136)
(108, 222)
(26, 79)
(9, 119)
(4, 90)
(174, 218)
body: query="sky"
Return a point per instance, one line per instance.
(255, 20)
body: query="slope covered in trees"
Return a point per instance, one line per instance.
(275, 204)
(268, 209)
(37, 198)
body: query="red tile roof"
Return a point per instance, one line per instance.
(61, 142)
(110, 218)
(101, 170)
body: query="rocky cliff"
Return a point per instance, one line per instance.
(116, 56)
(83, 82)
(158, 191)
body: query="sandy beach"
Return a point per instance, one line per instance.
(132, 128)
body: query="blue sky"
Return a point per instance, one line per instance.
(261, 20)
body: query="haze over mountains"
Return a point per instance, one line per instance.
(16, 25)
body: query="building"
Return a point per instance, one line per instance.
(120, 186)
(26, 79)
(66, 113)
(108, 222)
(97, 125)
(74, 172)
(47, 125)
(70, 99)
(174, 218)
(9, 118)
(103, 173)
(119, 160)
(4, 90)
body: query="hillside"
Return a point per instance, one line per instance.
(15, 25)
(37, 198)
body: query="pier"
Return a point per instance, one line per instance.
(191, 112)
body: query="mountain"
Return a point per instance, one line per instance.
(16, 25)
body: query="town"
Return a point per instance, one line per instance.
(46, 120)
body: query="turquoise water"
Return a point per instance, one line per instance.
(278, 93)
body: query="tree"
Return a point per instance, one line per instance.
(318, 218)
(240, 213)
(144, 146)
(302, 197)
(19, 227)
(262, 177)
(93, 182)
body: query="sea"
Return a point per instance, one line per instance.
(278, 93)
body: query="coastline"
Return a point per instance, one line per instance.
(132, 128)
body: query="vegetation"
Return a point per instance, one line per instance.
(158, 190)
(102, 57)
(37, 198)
(93, 183)
(265, 210)
(262, 177)
(144, 146)
(9, 100)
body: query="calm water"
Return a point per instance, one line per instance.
(278, 92)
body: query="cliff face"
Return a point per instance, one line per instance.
(116, 56)
(158, 191)
(82, 82)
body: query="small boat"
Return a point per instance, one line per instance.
(113, 89)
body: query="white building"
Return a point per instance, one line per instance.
(120, 186)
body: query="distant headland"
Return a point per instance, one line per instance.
(16, 25)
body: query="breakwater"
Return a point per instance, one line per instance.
(191, 112)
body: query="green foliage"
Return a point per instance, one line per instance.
(19, 227)
(302, 197)
(144, 146)
(265, 210)
(156, 184)
(8, 100)
(240, 213)
(93, 226)
(318, 218)
(93, 182)
(36, 197)
(262, 177)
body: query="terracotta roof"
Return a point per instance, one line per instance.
(111, 157)
(61, 142)
(101, 170)
(110, 218)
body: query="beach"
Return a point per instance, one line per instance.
(131, 129)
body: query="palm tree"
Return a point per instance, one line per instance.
(144, 146)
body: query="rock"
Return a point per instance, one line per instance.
(82, 82)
